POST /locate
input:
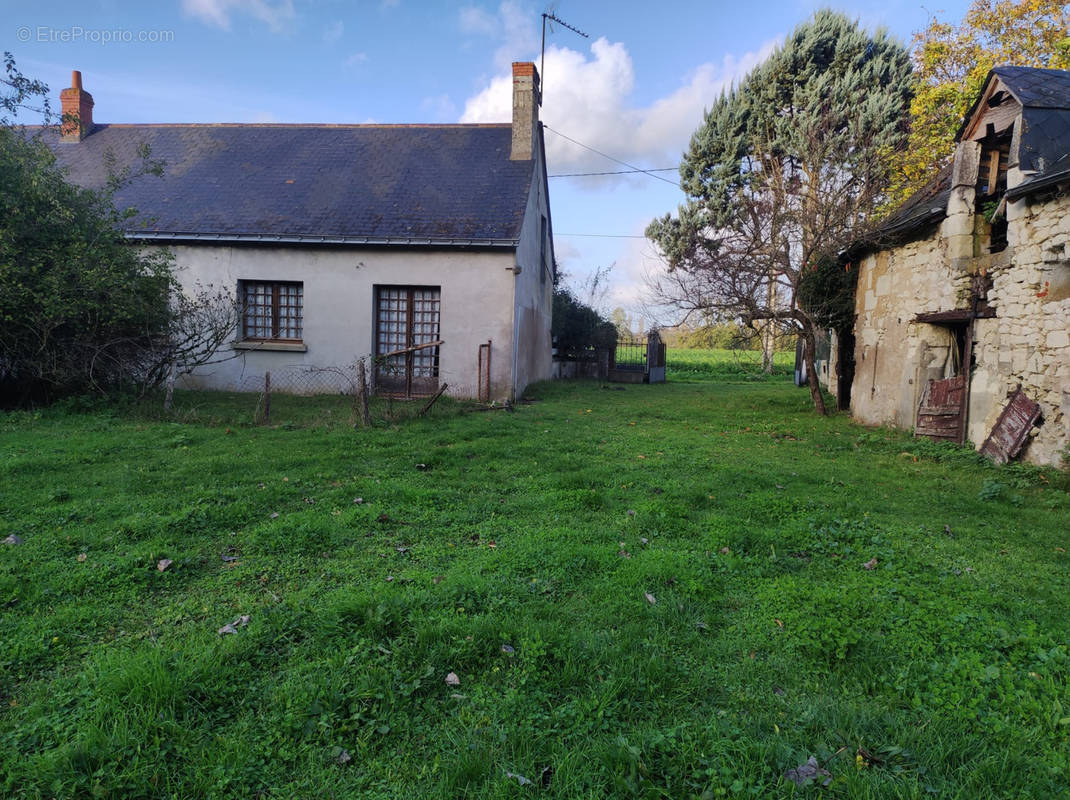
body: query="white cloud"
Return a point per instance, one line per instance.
(587, 97)
(475, 20)
(276, 15)
(333, 32)
(355, 59)
(440, 106)
(512, 24)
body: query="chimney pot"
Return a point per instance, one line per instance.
(76, 79)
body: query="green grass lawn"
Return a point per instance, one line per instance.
(643, 591)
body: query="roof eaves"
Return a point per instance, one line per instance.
(1039, 184)
(271, 238)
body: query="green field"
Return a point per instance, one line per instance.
(643, 591)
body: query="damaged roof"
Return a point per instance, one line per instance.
(369, 184)
(1044, 147)
(1044, 141)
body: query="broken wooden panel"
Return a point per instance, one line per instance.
(940, 414)
(1011, 429)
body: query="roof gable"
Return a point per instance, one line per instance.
(385, 184)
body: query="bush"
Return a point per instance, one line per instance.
(577, 328)
(79, 307)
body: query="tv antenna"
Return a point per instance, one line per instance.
(550, 17)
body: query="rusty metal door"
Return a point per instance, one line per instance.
(406, 317)
(941, 414)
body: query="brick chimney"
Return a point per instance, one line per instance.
(525, 110)
(77, 111)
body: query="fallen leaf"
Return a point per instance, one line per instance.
(274, 515)
(242, 621)
(383, 518)
(643, 540)
(227, 559)
(344, 757)
(624, 554)
(808, 773)
(82, 557)
(310, 500)
(630, 512)
(228, 628)
(402, 549)
(508, 648)
(650, 598)
(870, 564)
(491, 544)
(724, 551)
(422, 467)
(779, 624)
(389, 578)
(640, 456)
(438, 578)
(163, 564)
(452, 679)
(13, 539)
(1060, 549)
(518, 778)
(546, 776)
(358, 500)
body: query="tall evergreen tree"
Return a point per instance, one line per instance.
(786, 170)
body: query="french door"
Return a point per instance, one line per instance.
(406, 340)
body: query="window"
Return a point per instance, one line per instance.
(271, 311)
(407, 329)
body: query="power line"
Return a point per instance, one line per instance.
(615, 172)
(611, 158)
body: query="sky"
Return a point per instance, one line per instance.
(634, 89)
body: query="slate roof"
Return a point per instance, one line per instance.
(369, 184)
(926, 206)
(1045, 137)
(1044, 147)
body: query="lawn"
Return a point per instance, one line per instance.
(671, 591)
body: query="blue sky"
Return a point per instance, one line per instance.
(634, 90)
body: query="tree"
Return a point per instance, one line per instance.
(577, 328)
(951, 63)
(787, 169)
(80, 308)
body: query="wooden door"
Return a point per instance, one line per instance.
(406, 317)
(942, 411)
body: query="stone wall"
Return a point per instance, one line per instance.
(1027, 343)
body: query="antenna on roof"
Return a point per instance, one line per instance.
(549, 16)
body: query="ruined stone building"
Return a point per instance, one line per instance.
(967, 300)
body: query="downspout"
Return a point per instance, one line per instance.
(516, 334)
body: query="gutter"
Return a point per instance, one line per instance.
(1038, 184)
(269, 238)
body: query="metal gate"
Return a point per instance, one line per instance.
(407, 340)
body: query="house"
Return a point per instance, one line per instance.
(349, 241)
(967, 300)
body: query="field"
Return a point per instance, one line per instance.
(671, 591)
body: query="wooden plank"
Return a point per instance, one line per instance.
(942, 407)
(1012, 428)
